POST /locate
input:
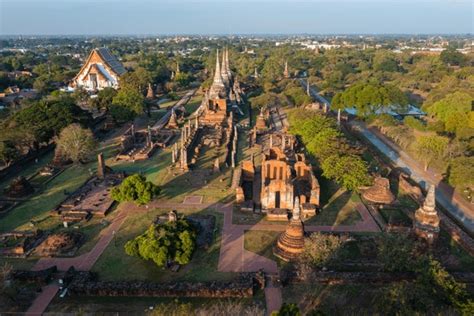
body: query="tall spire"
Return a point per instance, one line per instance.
(229, 73)
(224, 73)
(217, 75)
(296, 209)
(430, 200)
(286, 74)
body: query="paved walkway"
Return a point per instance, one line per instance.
(40, 304)
(164, 120)
(83, 262)
(234, 258)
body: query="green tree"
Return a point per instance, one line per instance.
(455, 111)
(320, 249)
(429, 148)
(75, 143)
(136, 189)
(8, 152)
(370, 98)
(452, 57)
(183, 79)
(461, 172)
(350, 171)
(161, 243)
(438, 283)
(131, 100)
(104, 98)
(318, 132)
(136, 80)
(46, 118)
(121, 113)
(396, 252)
(288, 309)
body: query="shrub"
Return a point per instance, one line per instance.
(414, 123)
(161, 243)
(320, 248)
(136, 189)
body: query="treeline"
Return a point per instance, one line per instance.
(326, 143)
(38, 124)
(283, 93)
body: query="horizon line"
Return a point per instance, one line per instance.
(233, 34)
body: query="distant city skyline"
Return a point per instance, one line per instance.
(166, 17)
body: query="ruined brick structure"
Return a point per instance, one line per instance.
(283, 180)
(277, 186)
(426, 224)
(379, 193)
(290, 243)
(224, 94)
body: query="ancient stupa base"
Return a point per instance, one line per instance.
(290, 244)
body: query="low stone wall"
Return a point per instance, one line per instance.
(41, 277)
(242, 287)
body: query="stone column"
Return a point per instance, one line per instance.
(185, 159)
(100, 166)
(232, 159)
(132, 132)
(254, 135)
(338, 116)
(197, 122)
(271, 140)
(173, 156)
(149, 141)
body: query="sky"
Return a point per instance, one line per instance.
(167, 17)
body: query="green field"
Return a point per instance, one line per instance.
(340, 210)
(203, 266)
(261, 242)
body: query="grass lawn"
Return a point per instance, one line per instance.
(41, 203)
(200, 180)
(451, 251)
(261, 242)
(18, 263)
(345, 299)
(340, 210)
(395, 216)
(27, 171)
(193, 103)
(407, 203)
(203, 266)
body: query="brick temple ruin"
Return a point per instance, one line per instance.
(93, 198)
(283, 176)
(213, 123)
(141, 145)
